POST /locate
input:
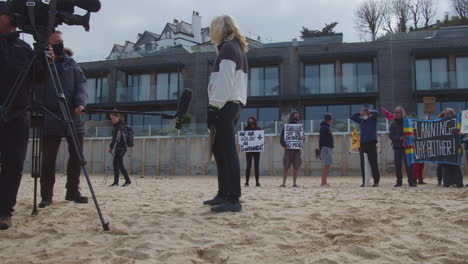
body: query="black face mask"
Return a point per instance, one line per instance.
(58, 48)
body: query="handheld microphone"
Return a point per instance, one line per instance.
(182, 106)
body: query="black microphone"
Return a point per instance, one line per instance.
(182, 106)
(88, 5)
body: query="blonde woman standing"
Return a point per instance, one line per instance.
(227, 93)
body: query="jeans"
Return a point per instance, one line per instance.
(400, 157)
(256, 158)
(371, 149)
(225, 152)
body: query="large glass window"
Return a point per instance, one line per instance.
(264, 81)
(167, 86)
(314, 116)
(139, 87)
(266, 117)
(431, 74)
(98, 90)
(462, 72)
(319, 79)
(357, 77)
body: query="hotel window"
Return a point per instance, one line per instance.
(462, 72)
(98, 90)
(319, 79)
(431, 74)
(266, 117)
(138, 87)
(357, 77)
(167, 86)
(264, 81)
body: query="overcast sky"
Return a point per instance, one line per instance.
(273, 20)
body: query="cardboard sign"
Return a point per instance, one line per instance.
(433, 141)
(293, 134)
(252, 141)
(429, 105)
(464, 122)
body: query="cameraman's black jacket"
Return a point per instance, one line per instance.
(119, 138)
(75, 90)
(15, 55)
(396, 132)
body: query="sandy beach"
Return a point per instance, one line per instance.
(162, 220)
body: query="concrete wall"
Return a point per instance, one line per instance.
(187, 156)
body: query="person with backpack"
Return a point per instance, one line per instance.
(122, 137)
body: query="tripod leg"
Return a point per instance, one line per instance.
(34, 163)
(65, 110)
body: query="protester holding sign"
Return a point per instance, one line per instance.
(326, 146)
(251, 126)
(451, 173)
(367, 119)
(398, 142)
(291, 140)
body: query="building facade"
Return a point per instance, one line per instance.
(312, 76)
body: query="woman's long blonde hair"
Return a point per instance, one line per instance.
(225, 28)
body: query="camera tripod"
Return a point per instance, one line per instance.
(37, 113)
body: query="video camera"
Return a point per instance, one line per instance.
(38, 16)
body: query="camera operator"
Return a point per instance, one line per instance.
(15, 54)
(74, 87)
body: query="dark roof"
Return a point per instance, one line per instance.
(146, 38)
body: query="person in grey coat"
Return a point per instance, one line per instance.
(54, 128)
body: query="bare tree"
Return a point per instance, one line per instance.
(415, 7)
(428, 11)
(369, 17)
(461, 7)
(401, 11)
(388, 16)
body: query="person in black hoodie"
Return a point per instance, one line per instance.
(15, 54)
(451, 174)
(326, 146)
(398, 142)
(291, 156)
(118, 147)
(252, 125)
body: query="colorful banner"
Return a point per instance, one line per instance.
(433, 141)
(355, 141)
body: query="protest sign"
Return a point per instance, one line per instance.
(252, 141)
(464, 122)
(433, 141)
(293, 134)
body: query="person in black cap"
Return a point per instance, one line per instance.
(15, 54)
(367, 119)
(326, 147)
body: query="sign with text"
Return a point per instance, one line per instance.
(429, 105)
(252, 141)
(293, 134)
(433, 141)
(464, 122)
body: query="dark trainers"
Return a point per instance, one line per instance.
(398, 185)
(215, 201)
(375, 185)
(258, 184)
(75, 196)
(126, 184)
(114, 184)
(227, 206)
(5, 222)
(45, 202)
(246, 184)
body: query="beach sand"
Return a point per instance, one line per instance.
(162, 220)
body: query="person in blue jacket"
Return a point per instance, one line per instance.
(367, 119)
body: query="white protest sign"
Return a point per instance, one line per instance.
(252, 141)
(293, 134)
(464, 124)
